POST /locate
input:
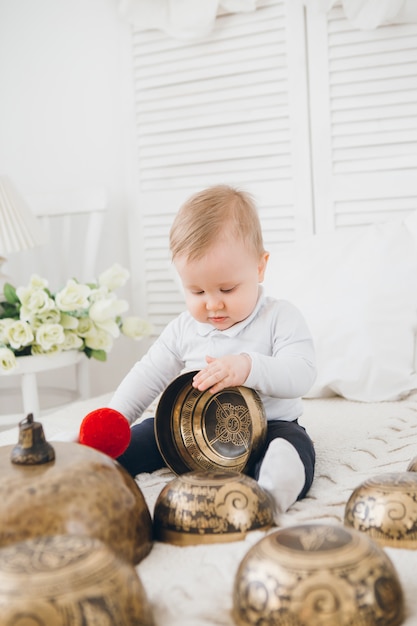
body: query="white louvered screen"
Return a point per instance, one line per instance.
(231, 108)
(363, 102)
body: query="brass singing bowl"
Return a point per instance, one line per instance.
(198, 430)
(211, 507)
(316, 574)
(80, 492)
(69, 580)
(385, 507)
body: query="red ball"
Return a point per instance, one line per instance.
(106, 430)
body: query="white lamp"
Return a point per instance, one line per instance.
(19, 229)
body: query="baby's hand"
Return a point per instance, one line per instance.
(227, 371)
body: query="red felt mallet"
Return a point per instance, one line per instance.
(106, 430)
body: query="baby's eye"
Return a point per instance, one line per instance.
(197, 293)
(227, 290)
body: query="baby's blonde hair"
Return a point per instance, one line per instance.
(211, 213)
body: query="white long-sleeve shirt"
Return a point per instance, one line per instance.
(275, 336)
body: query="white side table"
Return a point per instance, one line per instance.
(29, 366)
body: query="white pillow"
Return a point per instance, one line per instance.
(358, 293)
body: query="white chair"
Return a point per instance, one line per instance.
(72, 223)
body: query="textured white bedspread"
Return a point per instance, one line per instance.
(192, 586)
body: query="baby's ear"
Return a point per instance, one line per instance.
(263, 261)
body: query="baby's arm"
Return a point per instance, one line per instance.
(148, 377)
(290, 370)
(231, 370)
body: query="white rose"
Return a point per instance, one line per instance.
(69, 322)
(104, 314)
(7, 359)
(107, 309)
(72, 341)
(37, 282)
(34, 322)
(136, 328)
(19, 334)
(37, 349)
(100, 293)
(73, 297)
(4, 324)
(52, 316)
(99, 341)
(85, 327)
(49, 335)
(109, 326)
(34, 301)
(114, 277)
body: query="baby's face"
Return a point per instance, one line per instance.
(221, 288)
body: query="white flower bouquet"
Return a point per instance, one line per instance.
(84, 317)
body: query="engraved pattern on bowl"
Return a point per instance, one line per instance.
(69, 580)
(81, 492)
(203, 431)
(385, 507)
(211, 507)
(317, 574)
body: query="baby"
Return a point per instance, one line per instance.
(233, 334)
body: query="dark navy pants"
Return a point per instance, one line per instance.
(143, 454)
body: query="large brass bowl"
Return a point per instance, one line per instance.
(203, 431)
(317, 575)
(80, 492)
(385, 507)
(210, 507)
(69, 580)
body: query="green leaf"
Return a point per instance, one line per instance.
(9, 310)
(10, 293)
(26, 351)
(100, 355)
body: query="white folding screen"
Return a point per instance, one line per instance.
(314, 117)
(363, 107)
(232, 109)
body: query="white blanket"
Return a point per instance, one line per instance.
(192, 586)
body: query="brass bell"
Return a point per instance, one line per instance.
(32, 448)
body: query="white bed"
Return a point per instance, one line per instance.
(192, 586)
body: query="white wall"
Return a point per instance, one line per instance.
(66, 119)
(64, 110)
